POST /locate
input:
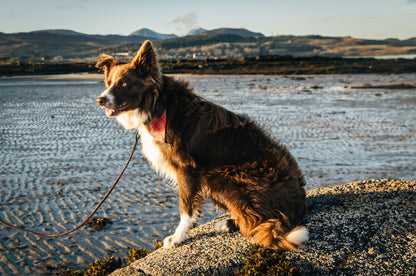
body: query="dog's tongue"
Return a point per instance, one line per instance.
(110, 111)
(114, 111)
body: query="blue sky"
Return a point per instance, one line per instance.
(377, 19)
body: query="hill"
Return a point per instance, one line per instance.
(232, 31)
(57, 31)
(197, 31)
(152, 35)
(223, 43)
(50, 43)
(225, 46)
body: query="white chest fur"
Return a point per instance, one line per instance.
(155, 157)
(131, 119)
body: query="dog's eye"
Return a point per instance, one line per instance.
(124, 84)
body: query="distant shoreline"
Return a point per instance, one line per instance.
(62, 77)
(267, 65)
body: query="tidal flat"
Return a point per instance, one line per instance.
(59, 153)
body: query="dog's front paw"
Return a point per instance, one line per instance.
(171, 242)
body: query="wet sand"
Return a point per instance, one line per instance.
(59, 154)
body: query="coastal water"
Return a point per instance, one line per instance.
(59, 153)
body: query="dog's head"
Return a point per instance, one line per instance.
(132, 86)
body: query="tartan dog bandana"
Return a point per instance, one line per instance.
(157, 127)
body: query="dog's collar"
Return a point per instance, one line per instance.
(157, 126)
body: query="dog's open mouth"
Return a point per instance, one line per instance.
(111, 112)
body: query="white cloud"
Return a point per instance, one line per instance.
(187, 22)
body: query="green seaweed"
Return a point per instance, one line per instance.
(259, 261)
(67, 272)
(101, 267)
(138, 253)
(106, 266)
(99, 223)
(262, 261)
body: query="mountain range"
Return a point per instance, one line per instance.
(199, 43)
(68, 43)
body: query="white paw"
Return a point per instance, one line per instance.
(222, 226)
(171, 242)
(180, 233)
(299, 235)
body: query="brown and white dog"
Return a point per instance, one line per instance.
(209, 151)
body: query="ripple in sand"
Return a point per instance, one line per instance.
(59, 154)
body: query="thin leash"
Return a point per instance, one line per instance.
(92, 213)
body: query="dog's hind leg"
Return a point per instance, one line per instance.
(190, 202)
(226, 226)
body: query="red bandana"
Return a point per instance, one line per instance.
(157, 127)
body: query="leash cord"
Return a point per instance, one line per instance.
(92, 213)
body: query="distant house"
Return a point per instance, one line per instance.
(122, 54)
(46, 58)
(199, 56)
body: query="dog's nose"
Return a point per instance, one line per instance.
(101, 100)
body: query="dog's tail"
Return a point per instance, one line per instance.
(274, 235)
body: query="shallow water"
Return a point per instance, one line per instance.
(59, 153)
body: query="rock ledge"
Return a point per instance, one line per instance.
(365, 228)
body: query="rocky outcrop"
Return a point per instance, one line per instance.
(364, 228)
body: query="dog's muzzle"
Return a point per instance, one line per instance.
(102, 101)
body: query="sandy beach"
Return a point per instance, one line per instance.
(59, 154)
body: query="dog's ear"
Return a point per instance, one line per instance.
(106, 62)
(146, 61)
